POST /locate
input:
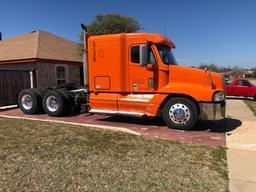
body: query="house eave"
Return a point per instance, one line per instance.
(33, 60)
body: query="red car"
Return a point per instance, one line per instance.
(241, 87)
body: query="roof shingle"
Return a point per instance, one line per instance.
(39, 45)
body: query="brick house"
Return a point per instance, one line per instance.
(53, 60)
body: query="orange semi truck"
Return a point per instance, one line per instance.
(135, 74)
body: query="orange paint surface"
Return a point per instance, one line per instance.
(118, 84)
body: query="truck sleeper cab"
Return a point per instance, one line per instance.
(136, 74)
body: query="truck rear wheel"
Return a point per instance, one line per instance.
(254, 97)
(180, 113)
(55, 103)
(30, 101)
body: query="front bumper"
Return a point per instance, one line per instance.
(212, 111)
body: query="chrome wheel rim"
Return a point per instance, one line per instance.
(179, 113)
(27, 102)
(52, 104)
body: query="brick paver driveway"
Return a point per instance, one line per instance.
(205, 132)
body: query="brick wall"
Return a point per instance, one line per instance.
(46, 74)
(74, 73)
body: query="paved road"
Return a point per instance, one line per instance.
(241, 143)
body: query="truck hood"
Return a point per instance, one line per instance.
(191, 81)
(191, 75)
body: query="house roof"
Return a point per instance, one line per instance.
(241, 71)
(39, 45)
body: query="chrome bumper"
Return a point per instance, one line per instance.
(212, 111)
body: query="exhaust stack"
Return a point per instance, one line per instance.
(85, 55)
(0, 36)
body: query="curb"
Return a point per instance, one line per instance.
(120, 129)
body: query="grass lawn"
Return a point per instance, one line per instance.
(252, 105)
(42, 156)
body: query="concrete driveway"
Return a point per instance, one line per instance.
(253, 81)
(241, 143)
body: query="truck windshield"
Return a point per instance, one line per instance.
(166, 54)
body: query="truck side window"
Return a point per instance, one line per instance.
(135, 54)
(240, 83)
(243, 83)
(246, 83)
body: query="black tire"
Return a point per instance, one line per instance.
(29, 101)
(60, 107)
(254, 97)
(68, 99)
(188, 116)
(40, 93)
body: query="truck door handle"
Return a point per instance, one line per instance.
(151, 82)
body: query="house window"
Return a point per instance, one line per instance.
(61, 74)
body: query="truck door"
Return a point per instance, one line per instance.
(243, 88)
(141, 78)
(142, 82)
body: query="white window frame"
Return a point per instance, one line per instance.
(66, 73)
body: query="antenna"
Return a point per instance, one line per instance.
(165, 31)
(143, 28)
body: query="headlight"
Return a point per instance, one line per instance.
(218, 96)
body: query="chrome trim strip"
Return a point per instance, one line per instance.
(141, 96)
(135, 100)
(78, 90)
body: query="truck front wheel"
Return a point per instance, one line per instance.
(180, 113)
(55, 103)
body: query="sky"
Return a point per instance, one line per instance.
(222, 32)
